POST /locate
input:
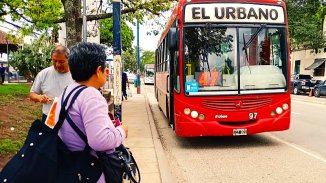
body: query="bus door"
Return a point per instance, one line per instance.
(173, 61)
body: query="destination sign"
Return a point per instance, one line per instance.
(233, 12)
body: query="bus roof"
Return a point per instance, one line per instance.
(149, 65)
(169, 24)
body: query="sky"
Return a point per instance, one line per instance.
(146, 42)
(149, 42)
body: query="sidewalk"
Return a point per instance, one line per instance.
(143, 139)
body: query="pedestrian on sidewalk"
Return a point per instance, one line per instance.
(51, 81)
(90, 110)
(124, 85)
(2, 73)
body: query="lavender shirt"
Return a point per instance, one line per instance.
(90, 114)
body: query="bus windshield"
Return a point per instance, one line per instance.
(235, 60)
(149, 72)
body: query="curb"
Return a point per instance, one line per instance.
(163, 166)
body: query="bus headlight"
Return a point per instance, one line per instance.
(201, 116)
(194, 114)
(285, 107)
(186, 111)
(279, 110)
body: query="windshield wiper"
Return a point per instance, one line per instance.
(207, 46)
(247, 44)
(245, 49)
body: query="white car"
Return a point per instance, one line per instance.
(131, 77)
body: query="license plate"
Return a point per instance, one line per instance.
(238, 132)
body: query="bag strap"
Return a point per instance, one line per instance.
(129, 169)
(79, 132)
(70, 121)
(63, 110)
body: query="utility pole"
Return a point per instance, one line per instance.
(84, 22)
(138, 61)
(8, 66)
(117, 93)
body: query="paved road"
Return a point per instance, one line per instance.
(267, 157)
(308, 125)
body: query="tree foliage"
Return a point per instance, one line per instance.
(14, 38)
(35, 14)
(44, 14)
(305, 19)
(129, 60)
(106, 31)
(31, 59)
(148, 57)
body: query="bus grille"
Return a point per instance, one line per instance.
(237, 104)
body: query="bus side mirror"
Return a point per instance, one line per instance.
(173, 39)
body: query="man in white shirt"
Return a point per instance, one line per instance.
(51, 81)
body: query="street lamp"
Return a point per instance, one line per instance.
(138, 60)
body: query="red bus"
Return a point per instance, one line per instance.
(222, 68)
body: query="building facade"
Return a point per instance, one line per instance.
(310, 61)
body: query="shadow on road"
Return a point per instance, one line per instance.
(225, 142)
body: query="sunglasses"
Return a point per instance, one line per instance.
(106, 70)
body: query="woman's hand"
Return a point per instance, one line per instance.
(125, 128)
(44, 98)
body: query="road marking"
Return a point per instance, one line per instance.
(296, 113)
(318, 157)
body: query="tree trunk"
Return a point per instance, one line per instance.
(54, 36)
(74, 23)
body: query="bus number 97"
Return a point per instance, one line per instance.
(253, 115)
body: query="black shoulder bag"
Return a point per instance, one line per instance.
(118, 165)
(45, 158)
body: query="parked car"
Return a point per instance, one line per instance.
(131, 77)
(320, 89)
(302, 83)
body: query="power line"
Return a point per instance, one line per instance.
(7, 28)
(10, 23)
(17, 26)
